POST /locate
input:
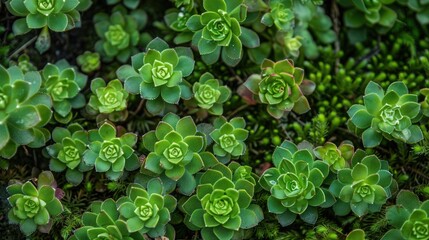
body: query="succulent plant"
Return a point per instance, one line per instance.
(229, 138)
(364, 187)
(221, 207)
(23, 111)
(217, 31)
(108, 98)
(425, 103)
(103, 222)
(176, 20)
(279, 87)
(67, 152)
(336, 157)
(33, 207)
(157, 75)
(25, 64)
(147, 211)
(409, 217)
(363, 13)
(387, 114)
(132, 4)
(89, 62)
(281, 15)
(295, 184)
(177, 150)
(421, 7)
(210, 95)
(57, 15)
(119, 34)
(111, 154)
(63, 84)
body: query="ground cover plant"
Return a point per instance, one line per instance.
(214, 119)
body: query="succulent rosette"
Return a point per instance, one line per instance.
(24, 110)
(103, 222)
(281, 15)
(57, 15)
(221, 207)
(336, 157)
(119, 33)
(229, 138)
(157, 75)
(89, 62)
(177, 152)
(111, 154)
(279, 86)
(409, 218)
(217, 31)
(33, 207)
(295, 184)
(67, 152)
(63, 84)
(210, 95)
(108, 98)
(364, 187)
(387, 115)
(148, 211)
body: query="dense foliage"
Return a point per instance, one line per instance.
(214, 119)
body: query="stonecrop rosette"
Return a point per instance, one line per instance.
(409, 217)
(24, 110)
(33, 207)
(111, 154)
(63, 84)
(148, 211)
(295, 184)
(177, 152)
(336, 157)
(108, 98)
(103, 222)
(364, 187)
(279, 87)
(57, 15)
(221, 207)
(217, 31)
(67, 152)
(229, 138)
(210, 95)
(157, 75)
(389, 114)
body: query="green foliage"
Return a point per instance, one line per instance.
(57, 15)
(63, 84)
(24, 110)
(33, 207)
(387, 114)
(89, 62)
(221, 206)
(278, 86)
(132, 4)
(109, 153)
(364, 187)
(281, 15)
(295, 183)
(107, 98)
(210, 95)
(420, 7)
(336, 157)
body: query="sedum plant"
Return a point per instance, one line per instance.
(221, 207)
(103, 222)
(387, 115)
(336, 157)
(148, 211)
(279, 86)
(280, 15)
(217, 31)
(67, 152)
(421, 7)
(229, 138)
(119, 34)
(33, 207)
(364, 187)
(89, 62)
(157, 75)
(210, 95)
(63, 84)
(107, 98)
(24, 110)
(295, 183)
(109, 153)
(409, 217)
(57, 15)
(177, 151)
